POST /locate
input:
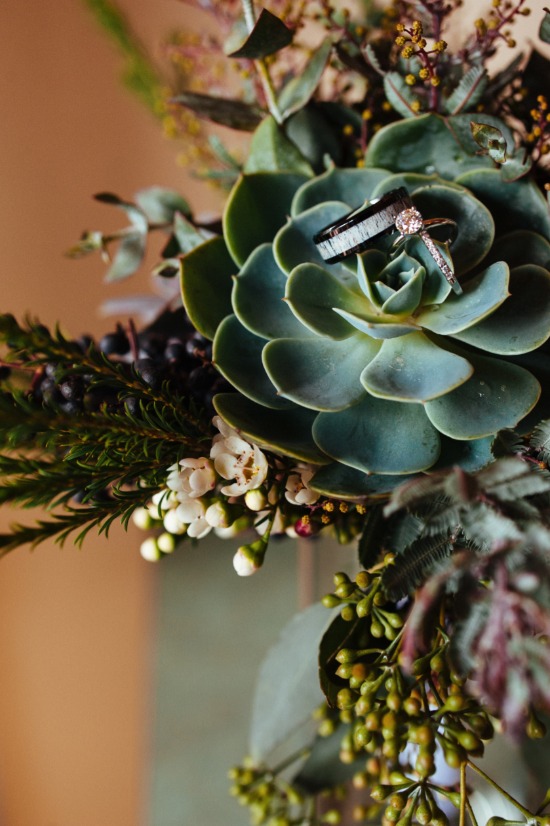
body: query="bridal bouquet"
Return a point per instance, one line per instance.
(358, 346)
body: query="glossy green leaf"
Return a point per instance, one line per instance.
(351, 186)
(294, 245)
(422, 144)
(347, 482)
(522, 323)
(284, 431)
(272, 151)
(268, 36)
(287, 689)
(482, 295)
(412, 368)
(237, 354)
(469, 91)
(206, 285)
(298, 91)
(258, 294)
(313, 292)
(319, 373)
(257, 207)
(498, 395)
(475, 228)
(236, 114)
(375, 436)
(514, 205)
(400, 95)
(490, 139)
(160, 204)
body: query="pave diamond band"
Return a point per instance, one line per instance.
(393, 212)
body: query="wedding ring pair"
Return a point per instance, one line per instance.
(393, 212)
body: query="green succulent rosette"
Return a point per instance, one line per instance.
(373, 368)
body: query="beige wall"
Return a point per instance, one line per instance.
(75, 626)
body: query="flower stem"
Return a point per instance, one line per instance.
(499, 789)
(269, 90)
(462, 813)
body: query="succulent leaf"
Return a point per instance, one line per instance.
(412, 368)
(482, 295)
(206, 285)
(336, 479)
(520, 324)
(237, 354)
(256, 207)
(351, 186)
(313, 292)
(258, 294)
(284, 431)
(514, 205)
(294, 245)
(374, 436)
(498, 395)
(317, 372)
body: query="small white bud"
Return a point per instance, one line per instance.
(150, 550)
(255, 500)
(173, 523)
(166, 543)
(142, 519)
(243, 565)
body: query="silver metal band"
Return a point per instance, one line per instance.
(358, 229)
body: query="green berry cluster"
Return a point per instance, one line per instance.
(270, 799)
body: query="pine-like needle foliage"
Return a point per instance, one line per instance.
(95, 463)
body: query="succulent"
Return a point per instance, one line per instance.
(373, 368)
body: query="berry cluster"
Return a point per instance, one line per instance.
(184, 360)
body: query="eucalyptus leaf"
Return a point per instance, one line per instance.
(268, 36)
(323, 768)
(491, 140)
(544, 30)
(206, 285)
(233, 113)
(272, 151)
(161, 205)
(128, 257)
(298, 91)
(287, 690)
(186, 234)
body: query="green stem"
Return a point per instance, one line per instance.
(269, 89)
(462, 813)
(470, 811)
(500, 790)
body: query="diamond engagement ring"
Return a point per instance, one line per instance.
(393, 212)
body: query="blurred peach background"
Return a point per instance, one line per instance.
(75, 626)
